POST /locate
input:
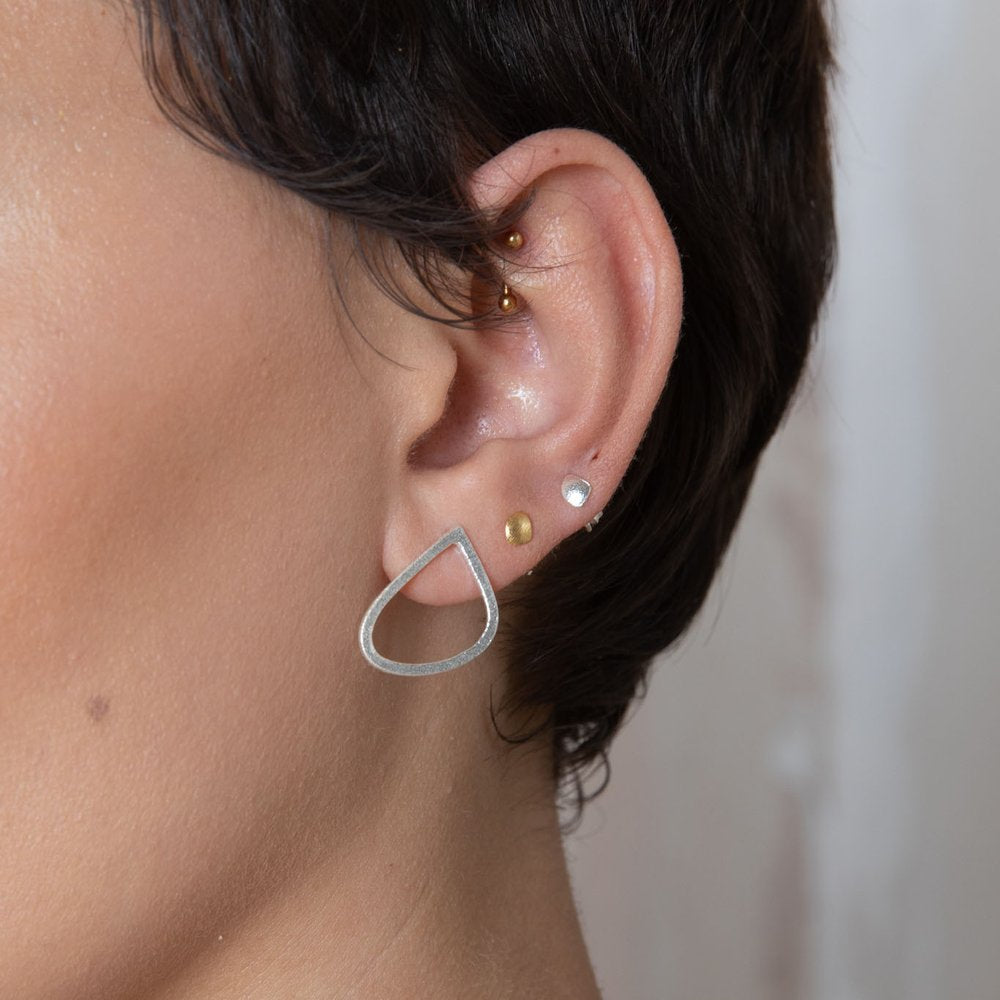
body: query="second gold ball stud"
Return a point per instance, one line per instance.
(518, 528)
(508, 300)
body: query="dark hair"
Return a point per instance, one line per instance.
(378, 111)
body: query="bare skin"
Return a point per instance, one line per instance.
(207, 792)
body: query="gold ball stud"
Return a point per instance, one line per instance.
(514, 240)
(508, 300)
(518, 528)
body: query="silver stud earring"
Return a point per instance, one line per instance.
(575, 491)
(456, 536)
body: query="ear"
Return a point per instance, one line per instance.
(564, 387)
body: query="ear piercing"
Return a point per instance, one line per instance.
(514, 240)
(508, 302)
(366, 632)
(518, 531)
(518, 528)
(575, 491)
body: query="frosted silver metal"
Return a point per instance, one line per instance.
(575, 491)
(456, 536)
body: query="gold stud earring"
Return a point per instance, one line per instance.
(508, 300)
(514, 240)
(518, 528)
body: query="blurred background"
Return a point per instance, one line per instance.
(807, 804)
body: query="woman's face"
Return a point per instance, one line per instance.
(182, 483)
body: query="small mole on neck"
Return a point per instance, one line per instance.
(97, 707)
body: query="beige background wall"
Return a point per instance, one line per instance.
(807, 805)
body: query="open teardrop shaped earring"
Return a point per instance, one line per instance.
(456, 536)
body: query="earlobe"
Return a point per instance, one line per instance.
(562, 389)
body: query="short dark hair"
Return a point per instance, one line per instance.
(379, 110)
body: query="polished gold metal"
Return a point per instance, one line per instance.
(514, 240)
(518, 528)
(508, 300)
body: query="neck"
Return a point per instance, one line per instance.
(445, 878)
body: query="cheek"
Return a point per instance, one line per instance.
(170, 385)
(124, 367)
(166, 409)
(158, 389)
(156, 305)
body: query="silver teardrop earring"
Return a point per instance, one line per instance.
(456, 536)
